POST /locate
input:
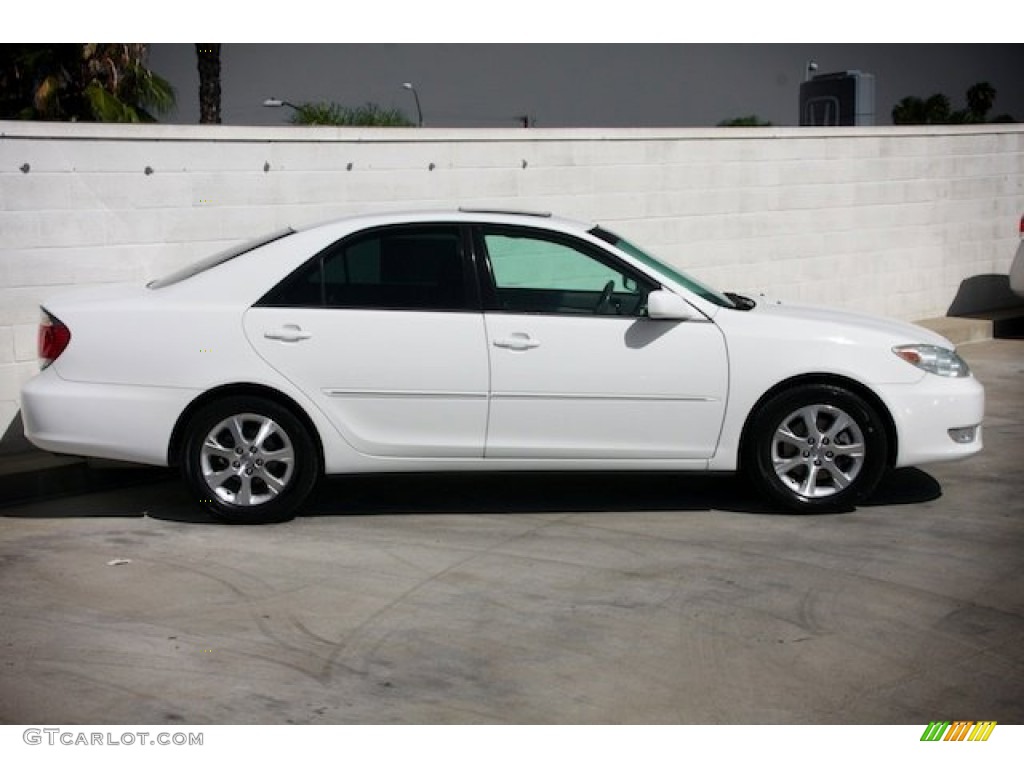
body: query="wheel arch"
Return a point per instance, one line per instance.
(829, 379)
(179, 432)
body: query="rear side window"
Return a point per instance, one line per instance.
(417, 268)
(218, 258)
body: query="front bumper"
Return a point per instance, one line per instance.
(926, 411)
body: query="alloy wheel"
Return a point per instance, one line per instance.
(247, 459)
(818, 450)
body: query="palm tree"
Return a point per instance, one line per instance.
(208, 61)
(980, 98)
(936, 110)
(103, 82)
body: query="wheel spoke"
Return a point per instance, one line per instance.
(243, 497)
(234, 426)
(809, 416)
(785, 466)
(212, 448)
(839, 478)
(285, 455)
(274, 485)
(787, 436)
(216, 479)
(853, 450)
(267, 428)
(842, 421)
(810, 484)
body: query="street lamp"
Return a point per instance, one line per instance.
(419, 111)
(810, 66)
(272, 102)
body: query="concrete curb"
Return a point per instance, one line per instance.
(960, 330)
(36, 475)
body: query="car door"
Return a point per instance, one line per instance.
(383, 331)
(577, 369)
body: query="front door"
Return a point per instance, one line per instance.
(577, 369)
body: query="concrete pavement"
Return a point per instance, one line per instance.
(530, 599)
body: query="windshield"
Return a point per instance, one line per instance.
(218, 258)
(705, 292)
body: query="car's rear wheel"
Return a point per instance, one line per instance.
(249, 460)
(816, 448)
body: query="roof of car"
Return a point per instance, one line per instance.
(539, 219)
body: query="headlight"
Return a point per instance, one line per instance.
(937, 360)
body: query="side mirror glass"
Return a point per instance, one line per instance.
(665, 305)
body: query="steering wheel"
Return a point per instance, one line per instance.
(606, 297)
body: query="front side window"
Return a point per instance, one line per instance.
(416, 268)
(535, 272)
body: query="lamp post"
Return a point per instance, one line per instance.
(419, 111)
(272, 102)
(810, 66)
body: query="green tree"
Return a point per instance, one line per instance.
(101, 82)
(911, 110)
(330, 113)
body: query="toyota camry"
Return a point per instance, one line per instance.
(476, 340)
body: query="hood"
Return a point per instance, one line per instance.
(847, 326)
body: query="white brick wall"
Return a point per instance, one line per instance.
(885, 220)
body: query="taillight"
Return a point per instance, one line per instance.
(1022, 226)
(53, 338)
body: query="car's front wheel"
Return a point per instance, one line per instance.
(249, 460)
(816, 448)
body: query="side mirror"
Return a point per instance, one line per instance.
(665, 305)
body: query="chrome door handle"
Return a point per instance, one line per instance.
(287, 333)
(517, 341)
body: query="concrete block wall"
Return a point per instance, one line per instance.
(883, 220)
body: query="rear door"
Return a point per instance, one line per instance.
(384, 332)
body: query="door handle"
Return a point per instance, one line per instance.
(517, 341)
(287, 333)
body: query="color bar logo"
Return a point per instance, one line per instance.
(959, 730)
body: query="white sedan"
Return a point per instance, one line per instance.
(477, 340)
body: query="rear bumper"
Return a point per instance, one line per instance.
(926, 411)
(109, 421)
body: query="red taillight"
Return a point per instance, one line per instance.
(1022, 226)
(53, 338)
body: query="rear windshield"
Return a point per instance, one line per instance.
(209, 262)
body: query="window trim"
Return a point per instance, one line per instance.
(471, 282)
(488, 285)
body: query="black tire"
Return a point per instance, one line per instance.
(816, 448)
(249, 460)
